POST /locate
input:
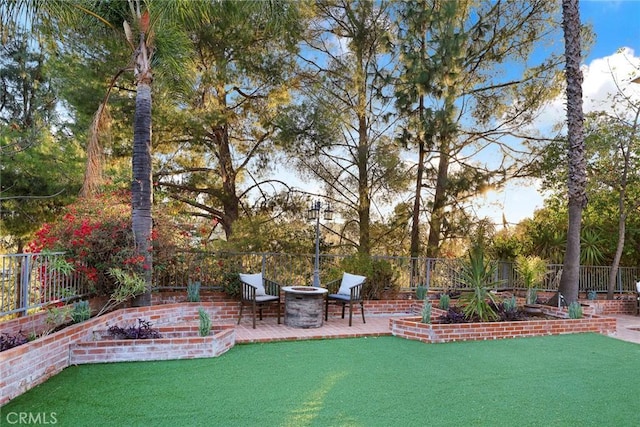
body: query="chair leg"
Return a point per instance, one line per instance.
(240, 317)
(343, 304)
(278, 308)
(326, 309)
(350, 312)
(254, 315)
(362, 310)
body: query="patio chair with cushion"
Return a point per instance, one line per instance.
(256, 292)
(347, 290)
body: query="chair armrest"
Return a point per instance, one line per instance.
(271, 287)
(356, 292)
(247, 291)
(333, 286)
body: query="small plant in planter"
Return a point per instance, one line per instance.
(479, 274)
(426, 311)
(8, 341)
(143, 330)
(575, 310)
(205, 323)
(193, 291)
(81, 312)
(445, 302)
(421, 292)
(532, 271)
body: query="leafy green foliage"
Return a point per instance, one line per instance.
(81, 312)
(421, 292)
(231, 284)
(510, 304)
(129, 285)
(204, 329)
(382, 278)
(95, 234)
(531, 270)
(575, 310)
(591, 243)
(444, 302)
(426, 311)
(193, 291)
(41, 169)
(479, 275)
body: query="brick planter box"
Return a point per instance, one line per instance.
(411, 328)
(179, 342)
(26, 366)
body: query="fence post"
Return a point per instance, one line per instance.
(619, 280)
(25, 279)
(428, 274)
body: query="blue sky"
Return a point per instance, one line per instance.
(616, 24)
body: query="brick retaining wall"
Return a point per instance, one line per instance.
(180, 342)
(25, 366)
(411, 328)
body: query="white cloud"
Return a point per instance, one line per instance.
(602, 77)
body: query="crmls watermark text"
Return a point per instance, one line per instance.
(31, 418)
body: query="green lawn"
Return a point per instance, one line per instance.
(571, 380)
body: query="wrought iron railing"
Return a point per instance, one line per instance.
(29, 281)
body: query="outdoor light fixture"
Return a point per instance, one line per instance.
(313, 214)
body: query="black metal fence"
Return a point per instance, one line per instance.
(28, 281)
(31, 281)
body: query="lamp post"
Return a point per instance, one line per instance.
(314, 214)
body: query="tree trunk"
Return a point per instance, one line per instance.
(622, 209)
(613, 273)
(364, 205)
(439, 202)
(577, 168)
(415, 224)
(141, 185)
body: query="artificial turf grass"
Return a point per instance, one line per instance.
(585, 379)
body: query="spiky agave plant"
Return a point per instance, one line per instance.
(479, 274)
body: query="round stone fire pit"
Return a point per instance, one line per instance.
(303, 306)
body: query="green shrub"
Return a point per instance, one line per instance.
(81, 312)
(445, 302)
(510, 304)
(575, 310)
(128, 286)
(421, 292)
(193, 291)
(382, 277)
(531, 272)
(231, 284)
(426, 311)
(592, 295)
(205, 322)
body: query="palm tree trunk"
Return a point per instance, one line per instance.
(577, 166)
(141, 185)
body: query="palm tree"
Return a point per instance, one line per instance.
(577, 166)
(137, 18)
